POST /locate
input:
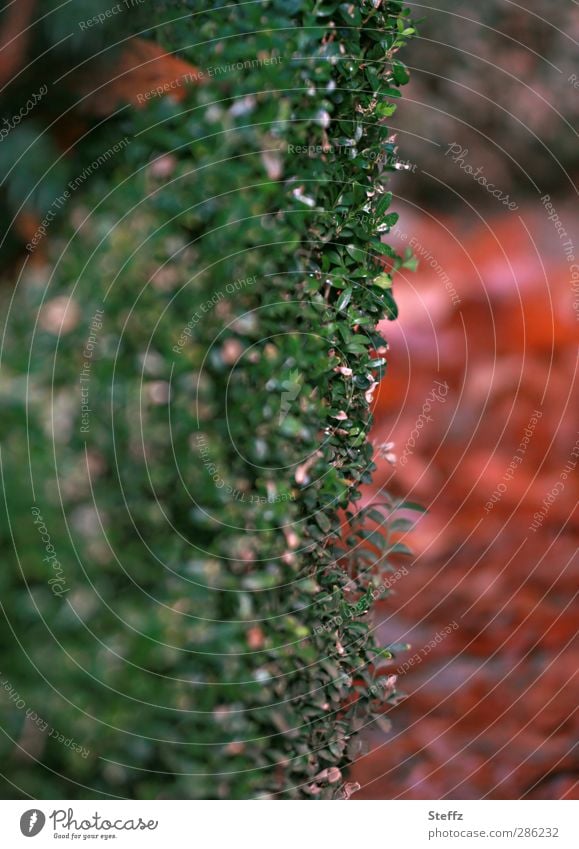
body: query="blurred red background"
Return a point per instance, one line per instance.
(491, 709)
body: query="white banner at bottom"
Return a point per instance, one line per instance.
(245, 825)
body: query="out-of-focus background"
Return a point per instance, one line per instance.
(477, 418)
(481, 405)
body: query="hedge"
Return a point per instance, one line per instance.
(186, 403)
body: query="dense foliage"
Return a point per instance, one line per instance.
(495, 78)
(185, 414)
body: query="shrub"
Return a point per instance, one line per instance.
(185, 429)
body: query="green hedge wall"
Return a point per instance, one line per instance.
(184, 427)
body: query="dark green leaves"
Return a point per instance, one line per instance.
(254, 285)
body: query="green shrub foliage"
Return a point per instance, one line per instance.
(185, 412)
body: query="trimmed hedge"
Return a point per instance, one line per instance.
(186, 426)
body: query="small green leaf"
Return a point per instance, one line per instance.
(344, 299)
(383, 281)
(383, 203)
(412, 505)
(399, 71)
(386, 109)
(400, 548)
(401, 525)
(411, 263)
(356, 253)
(323, 522)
